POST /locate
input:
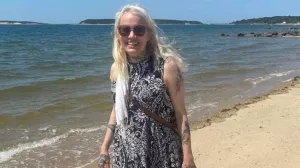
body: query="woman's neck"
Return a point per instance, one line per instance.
(137, 58)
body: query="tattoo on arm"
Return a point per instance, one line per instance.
(179, 80)
(186, 134)
(112, 127)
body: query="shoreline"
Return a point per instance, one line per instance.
(224, 114)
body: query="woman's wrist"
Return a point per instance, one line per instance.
(188, 155)
(104, 148)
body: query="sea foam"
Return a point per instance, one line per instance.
(260, 79)
(8, 154)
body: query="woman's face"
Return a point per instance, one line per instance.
(133, 41)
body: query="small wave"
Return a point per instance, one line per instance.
(11, 74)
(70, 78)
(257, 80)
(218, 73)
(46, 128)
(20, 90)
(56, 65)
(192, 48)
(81, 80)
(198, 105)
(282, 73)
(291, 48)
(7, 154)
(39, 86)
(260, 79)
(48, 66)
(251, 46)
(288, 80)
(34, 115)
(86, 103)
(14, 42)
(225, 64)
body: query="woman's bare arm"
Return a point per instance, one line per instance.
(109, 132)
(110, 127)
(174, 81)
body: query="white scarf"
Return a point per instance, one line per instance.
(121, 101)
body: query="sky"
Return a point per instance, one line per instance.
(205, 11)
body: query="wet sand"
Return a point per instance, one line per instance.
(261, 132)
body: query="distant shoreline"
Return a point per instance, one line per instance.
(20, 23)
(277, 24)
(158, 21)
(271, 20)
(182, 23)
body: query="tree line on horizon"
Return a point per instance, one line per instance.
(270, 20)
(157, 21)
(22, 22)
(262, 20)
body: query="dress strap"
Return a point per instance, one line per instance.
(156, 117)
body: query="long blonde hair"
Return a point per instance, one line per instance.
(156, 46)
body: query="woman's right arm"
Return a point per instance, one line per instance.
(104, 147)
(109, 133)
(111, 123)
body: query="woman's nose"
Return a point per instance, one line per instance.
(131, 34)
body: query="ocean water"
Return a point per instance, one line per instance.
(55, 90)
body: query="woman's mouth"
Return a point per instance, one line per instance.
(132, 44)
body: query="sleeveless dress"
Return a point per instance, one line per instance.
(147, 143)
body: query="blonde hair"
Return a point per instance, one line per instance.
(156, 46)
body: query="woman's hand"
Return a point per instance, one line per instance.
(188, 162)
(104, 161)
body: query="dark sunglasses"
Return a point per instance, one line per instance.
(138, 30)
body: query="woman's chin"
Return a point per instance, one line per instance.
(132, 53)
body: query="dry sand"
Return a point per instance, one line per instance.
(265, 134)
(262, 132)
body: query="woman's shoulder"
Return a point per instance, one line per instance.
(171, 70)
(170, 64)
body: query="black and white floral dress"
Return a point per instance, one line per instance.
(147, 143)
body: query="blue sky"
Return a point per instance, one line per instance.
(206, 11)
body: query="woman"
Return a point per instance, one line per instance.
(148, 122)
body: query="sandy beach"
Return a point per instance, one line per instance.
(262, 132)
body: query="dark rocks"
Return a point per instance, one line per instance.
(241, 35)
(268, 34)
(224, 34)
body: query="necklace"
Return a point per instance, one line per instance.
(137, 58)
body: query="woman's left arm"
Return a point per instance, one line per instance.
(174, 81)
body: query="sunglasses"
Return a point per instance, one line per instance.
(138, 30)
